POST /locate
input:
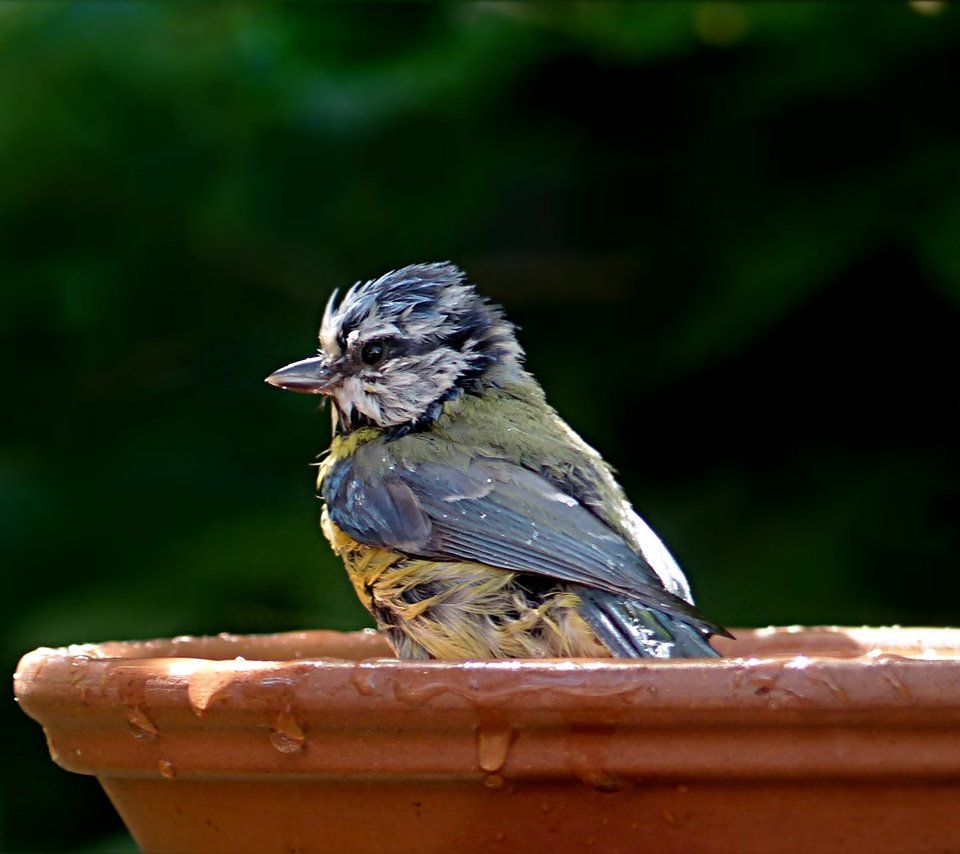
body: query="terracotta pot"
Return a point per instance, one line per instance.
(801, 740)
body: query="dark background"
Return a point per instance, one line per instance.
(730, 233)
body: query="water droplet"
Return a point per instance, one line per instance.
(286, 735)
(493, 744)
(894, 682)
(419, 696)
(604, 783)
(139, 724)
(364, 680)
(165, 766)
(203, 686)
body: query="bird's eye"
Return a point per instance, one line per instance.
(372, 352)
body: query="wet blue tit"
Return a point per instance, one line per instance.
(472, 520)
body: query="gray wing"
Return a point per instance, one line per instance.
(493, 512)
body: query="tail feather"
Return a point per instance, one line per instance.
(630, 630)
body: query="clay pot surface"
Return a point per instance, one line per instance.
(798, 740)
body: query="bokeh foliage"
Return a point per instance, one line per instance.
(730, 232)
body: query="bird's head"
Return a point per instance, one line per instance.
(394, 349)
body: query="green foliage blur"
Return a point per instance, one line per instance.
(730, 233)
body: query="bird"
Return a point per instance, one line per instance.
(472, 520)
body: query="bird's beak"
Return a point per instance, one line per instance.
(308, 376)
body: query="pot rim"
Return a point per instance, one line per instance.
(796, 702)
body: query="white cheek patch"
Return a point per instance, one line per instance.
(353, 397)
(405, 388)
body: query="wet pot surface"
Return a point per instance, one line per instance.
(798, 739)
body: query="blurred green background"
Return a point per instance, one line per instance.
(730, 233)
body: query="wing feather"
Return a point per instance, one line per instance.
(494, 512)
